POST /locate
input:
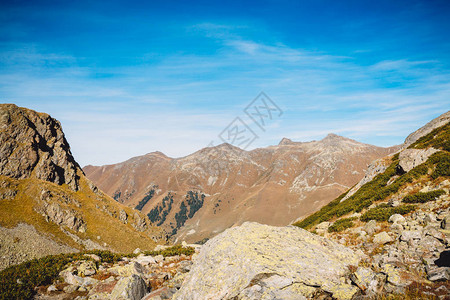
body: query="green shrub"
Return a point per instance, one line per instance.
(172, 251)
(439, 138)
(423, 197)
(341, 224)
(383, 212)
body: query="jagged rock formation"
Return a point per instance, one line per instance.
(297, 178)
(255, 261)
(33, 144)
(42, 185)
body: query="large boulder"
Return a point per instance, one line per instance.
(265, 261)
(411, 158)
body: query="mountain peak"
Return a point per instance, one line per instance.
(33, 145)
(285, 141)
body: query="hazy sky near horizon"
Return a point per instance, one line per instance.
(128, 78)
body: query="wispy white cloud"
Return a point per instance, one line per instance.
(182, 101)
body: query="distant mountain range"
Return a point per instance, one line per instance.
(202, 194)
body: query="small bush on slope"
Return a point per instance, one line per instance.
(423, 197)
(383, 212)
(439, 138)
(341, 224)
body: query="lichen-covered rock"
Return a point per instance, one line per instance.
(382, 238)
(129, 288)
(272, 258)
(33, 144)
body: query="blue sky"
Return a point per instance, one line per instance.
(126, 79)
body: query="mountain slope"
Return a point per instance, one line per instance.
(199, 195)
(425, 162)
(45, 195)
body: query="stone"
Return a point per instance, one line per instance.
(408, 235)
(123, 217)
(145, 260)
(371, 227)
(229, 262)
(159, 258)
(130, 288)
(382, 238)
(439, 274)
(396, 227)
(134, 268)
(445, 223)
(52, 288)
(397, 219)
(395, 276)
(87, 268)
(70, 289)
(159, 294)
(411, 158)
(137, 251)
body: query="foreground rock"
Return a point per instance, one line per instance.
(258, 261)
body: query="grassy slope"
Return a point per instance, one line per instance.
(120, 237)
(434, 168)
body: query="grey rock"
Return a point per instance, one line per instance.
(439, 274)
(130, 288)
(371, 227)
(123, 217)
(397, 218)
(229, 262)
(382, 238)
(410, 235)
(411, 158)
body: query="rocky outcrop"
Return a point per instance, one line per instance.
(33, 145)
(427, 128)
(256, 261)
(411, 158)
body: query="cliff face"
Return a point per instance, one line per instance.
(33, 145)
(204, 193)
(45, 195)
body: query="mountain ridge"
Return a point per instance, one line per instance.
(235, 181)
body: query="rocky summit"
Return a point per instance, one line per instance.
(33, 144)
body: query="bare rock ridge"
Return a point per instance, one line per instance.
(33, 144)
(44, 193)
(230, 185)
(427, 128)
